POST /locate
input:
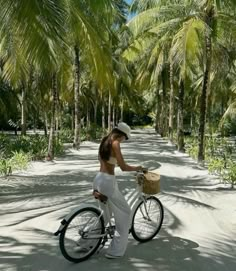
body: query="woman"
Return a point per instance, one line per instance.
(105, 182)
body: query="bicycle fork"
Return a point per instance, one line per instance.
(146, 215)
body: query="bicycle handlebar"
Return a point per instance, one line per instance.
(143, 170)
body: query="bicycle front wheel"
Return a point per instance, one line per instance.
(147, 219)
(81, 236)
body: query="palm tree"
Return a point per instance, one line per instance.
(181, 18)
(36, 32)
(50, 155)
(76, 142)
(85, 22)
(48, 46)
(38, 29)
(9, 105)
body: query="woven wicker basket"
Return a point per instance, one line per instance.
(151, 184)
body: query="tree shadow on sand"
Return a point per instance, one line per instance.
(28, 201)
(165, 253)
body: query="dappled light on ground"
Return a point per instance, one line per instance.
(197, 233)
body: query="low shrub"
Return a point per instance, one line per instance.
(229, 175)
(92, 132)
(18, 161)
(216, 166)
(16, 152)
(5, 167)
(191, 147)
(66, 135)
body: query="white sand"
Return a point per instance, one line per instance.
(199, 227)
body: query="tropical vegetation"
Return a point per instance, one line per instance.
(75, 68)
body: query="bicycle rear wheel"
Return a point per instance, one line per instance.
(81, 236)
(147, 219)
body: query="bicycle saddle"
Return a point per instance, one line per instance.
(100, 196)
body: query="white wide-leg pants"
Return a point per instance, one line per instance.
(107, 185)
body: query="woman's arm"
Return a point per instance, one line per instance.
(120, 160)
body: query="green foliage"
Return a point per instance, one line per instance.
(34, 145)
(38, 147)
(4, 143)
(83, 134)
(93, 132)
(218, 157)
(16, 152)
(230, 174)
(191, 147)
(66, 135)
(212, 144)
(17, 161)
(216, 166)
(218, 147)
(5, 167)
(226, 169)
(58, 147)
(229, 126)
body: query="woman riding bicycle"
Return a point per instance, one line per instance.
(105, 182)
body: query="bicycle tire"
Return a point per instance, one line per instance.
(70, 238)
(141, 225)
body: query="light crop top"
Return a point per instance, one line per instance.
(112, 160)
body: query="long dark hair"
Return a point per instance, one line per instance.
(106, 143)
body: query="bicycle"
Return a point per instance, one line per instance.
(83, 230)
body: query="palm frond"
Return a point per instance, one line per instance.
(142, 5)
(186, 49)
(89, 35)
(143, 21)
(230, 112)
(40, 27)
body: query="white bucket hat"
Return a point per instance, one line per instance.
(123, 127)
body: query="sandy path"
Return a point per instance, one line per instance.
(199, 227)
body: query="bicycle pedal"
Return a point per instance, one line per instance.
(105, 239)
(111, 230)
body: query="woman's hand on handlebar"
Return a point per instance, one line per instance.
(142, 169)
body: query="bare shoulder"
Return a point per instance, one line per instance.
(117, 153)
(116, 144)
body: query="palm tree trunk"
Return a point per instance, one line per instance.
(23, 110)
(45, 124)
(50, 155)
(76, 143)
(95, 104)
(158, 111)
(113, 116)
(109, 113)
(171, 110)
(201, 132)
(34, 124)
(88, 116)
(122, 109)
(103, 117)
(73, 120)
(163, 116)
(181, 117)
(191, 116)
(57, 120)
(95, 111)
(205, 88)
